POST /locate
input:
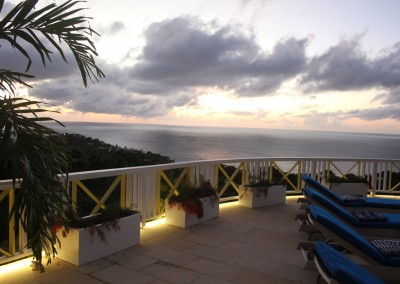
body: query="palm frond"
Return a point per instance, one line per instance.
(10, 79)
(38, 158)
(60, 22)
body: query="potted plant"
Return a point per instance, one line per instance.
(260, 192)
(92, 237)
(192, 204)
(348, 184)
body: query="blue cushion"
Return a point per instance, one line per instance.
(393, 220)
(369, 202)
(332, 206)
(350, 235)
(341, 268)
(322, 189)
(387, 203)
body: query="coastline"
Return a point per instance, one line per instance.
(184, 143)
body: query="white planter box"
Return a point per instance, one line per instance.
(180, 218)
(79, 247)
(344, 188)
(250, 198)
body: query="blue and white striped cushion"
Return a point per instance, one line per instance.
(388, 247)
(369, 216)
(353, 198)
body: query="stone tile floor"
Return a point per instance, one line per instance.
(241, 246)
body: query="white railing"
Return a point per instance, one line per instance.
(143, 188)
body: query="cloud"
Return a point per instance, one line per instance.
(112, 29)
(347, 67)
(392, 96)
(12, 59)
(383, 112)
(184, 53)
(337, 118)
(116, 27)
(180, 57)
(183, 56)
(107, 98)
(323, 119)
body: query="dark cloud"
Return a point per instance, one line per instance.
(12, 59)
(116, 27)
(184, 53)
(338, 117)
(111, 30)
(181, 56)
(346, 67)
(383, 112)
(390, 97)
(106, 97)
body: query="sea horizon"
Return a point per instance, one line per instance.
(190, 143)
(228, 127)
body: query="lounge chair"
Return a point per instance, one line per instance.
(384, 264)
(366, 223)
(337, 268)
(384, 204)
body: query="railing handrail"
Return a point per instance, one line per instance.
(127, 170)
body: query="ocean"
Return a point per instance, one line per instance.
(183, 143)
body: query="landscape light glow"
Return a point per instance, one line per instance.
(13, 267)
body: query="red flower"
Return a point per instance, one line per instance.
(56, 228)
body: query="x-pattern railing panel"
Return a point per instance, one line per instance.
(100, 202)
(142, 184)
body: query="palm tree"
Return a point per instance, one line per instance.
(33, 153)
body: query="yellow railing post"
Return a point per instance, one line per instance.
(11, 224)
(22, 236)
(390, 176)
(74, 194)
(123, 192)
(327, 174)
(190, 175)
(271, 168)
(299, 176)
(244, 174)
(216, 176)
(158, 193)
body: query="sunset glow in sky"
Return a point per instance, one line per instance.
(304, 64)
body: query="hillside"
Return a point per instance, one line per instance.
(88, 153)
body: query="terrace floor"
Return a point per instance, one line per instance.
(241, 246)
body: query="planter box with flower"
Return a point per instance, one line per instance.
(350, 184)
(97, 236)
(260, 192)
(192, 205)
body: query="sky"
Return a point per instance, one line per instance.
(283, 64)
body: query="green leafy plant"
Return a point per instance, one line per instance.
(33, 153)
(188, 197)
